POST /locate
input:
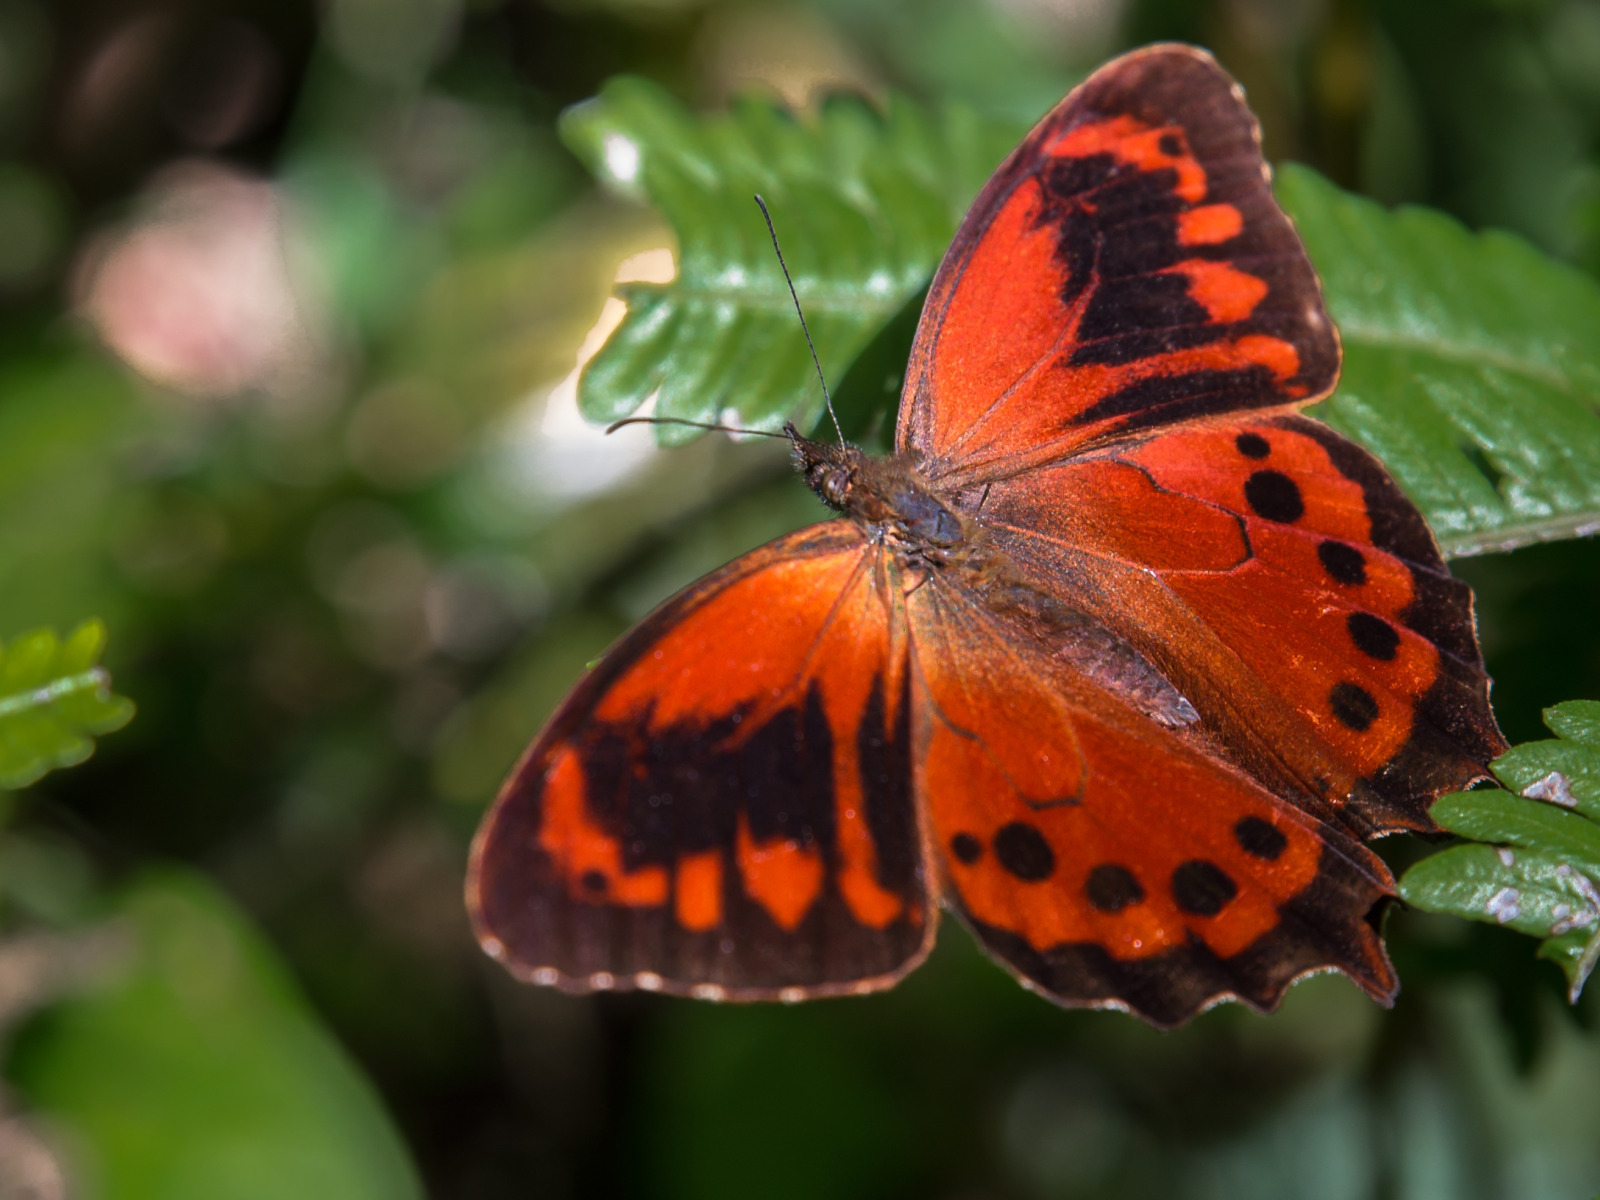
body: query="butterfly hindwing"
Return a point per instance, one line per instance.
(1289, 590)
(1108, 860)
(723, 807)
(1126, 267)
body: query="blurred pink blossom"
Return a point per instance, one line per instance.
(201, 293)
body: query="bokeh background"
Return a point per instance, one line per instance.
(292, 296)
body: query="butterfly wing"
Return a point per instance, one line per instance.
(1282, 582)
(1108, 860)
(723, 806)
(1125, 268)
(1106, 375)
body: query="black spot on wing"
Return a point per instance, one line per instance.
(1259, 838)
(1353, 706)
(1252, 445)
(966, 848)
(1111, 888)
(1344, 564)
(1201, 888)
(1373, 636)
(1022, 850)
(1274, 497)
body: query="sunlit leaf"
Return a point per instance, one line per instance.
(195, 1071)
(1535, 863)
(1472, 366)
(55, 697)
(864, 204)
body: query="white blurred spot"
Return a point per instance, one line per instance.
(648, 981)
(622, 157)
(555, 453)
(648, 266)
(546, 976)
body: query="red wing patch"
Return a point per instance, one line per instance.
(723, 807)
(1110, 861)
(1126, 267)
(1289, 590)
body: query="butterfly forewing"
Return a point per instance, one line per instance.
(723, 807)
(1126, 267)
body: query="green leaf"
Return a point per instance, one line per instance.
(1490, 815)
(864, 204)
(1577, 720)
(54, 698)
(1565, 770)
(1472, 366)
(1535, 863)
(194, 1070)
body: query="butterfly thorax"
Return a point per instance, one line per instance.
(899, 508)
(891, 500)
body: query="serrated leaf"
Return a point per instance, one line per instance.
(1491, 815)
(1531, 891)
(864, 204)
(1564, 770)
(1472, 366)
(1536, 866)
(1556, 769)
(55, 698)
(1576, 953)
(1575, 720)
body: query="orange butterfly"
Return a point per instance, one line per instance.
(1116, 657)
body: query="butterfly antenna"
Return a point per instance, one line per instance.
(616, 425)
(810, 345)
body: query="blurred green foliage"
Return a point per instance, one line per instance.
(292, 298)
(54, 698)
(192, 1069)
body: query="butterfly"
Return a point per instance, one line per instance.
(1116, 657)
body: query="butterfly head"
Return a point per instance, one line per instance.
(831, 469)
